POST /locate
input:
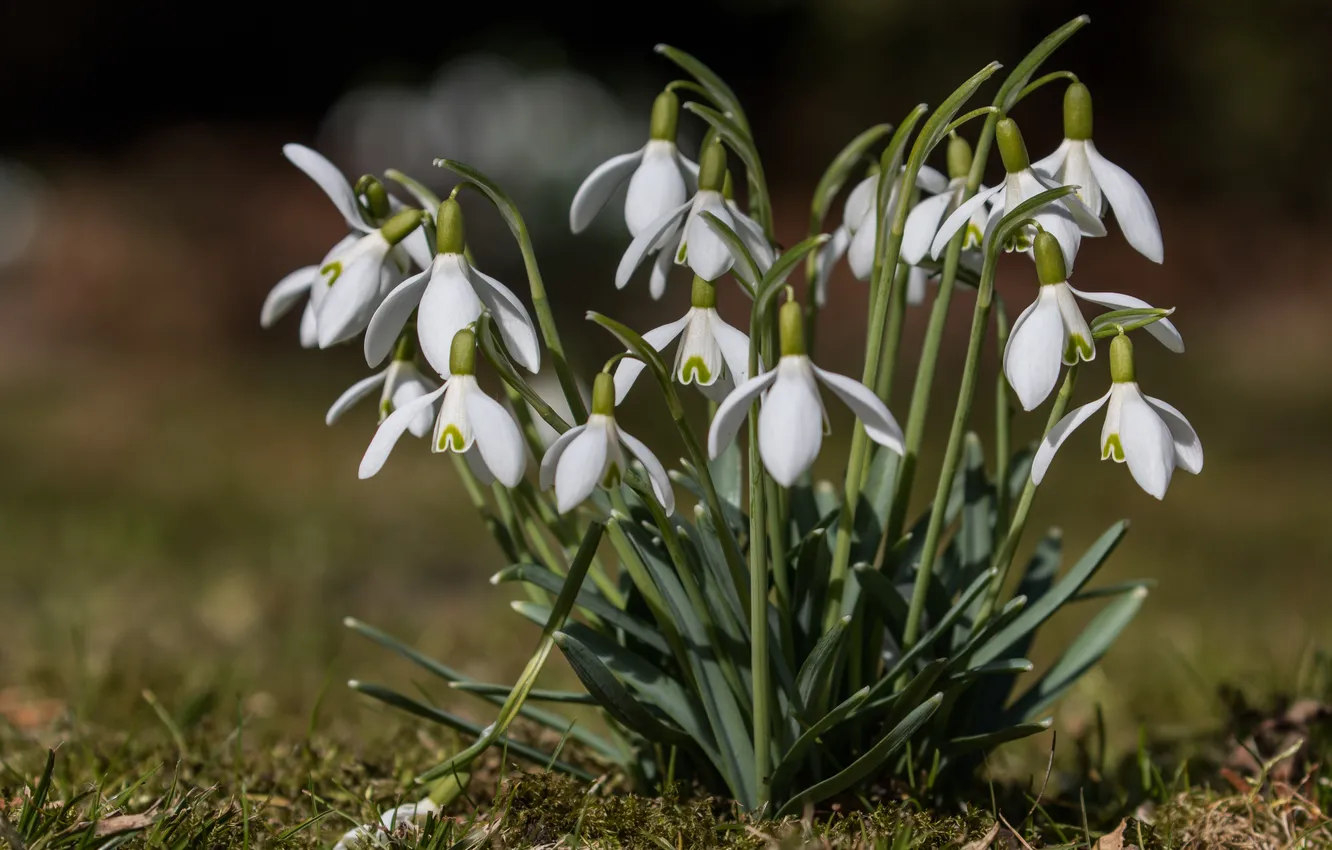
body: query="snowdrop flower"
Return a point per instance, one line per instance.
(365, 208)
(1149, 435)
(593, 453)
(1076, 162)
(659, 176)
(791, 420)
(470, 423)
(696, 244)
(1052, 330)
(711, 354)
(376, 835)
(357, 279)
(451, 294)
(1067, 218)
(399, 385)
(855, 237)
(923, 221)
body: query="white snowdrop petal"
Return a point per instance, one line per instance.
(661, 482)
(705, 252)
(1162, 329)
(731, 412)
(390, 430)
(1188, 448)
(1049, 165)
(552, 457)
(511, 318)
(931, 180)
(1149, 449)
(497, 437)
(644, 242)
(827, 258)
(959, 218)
(582, 465)
(1059, 433)
(1035, 350)
(860, 254)
(309, 333)
(353, 394)
(1133, 210)
(879, 423)
(282, 297)
(448, 305)
(598, 187)
(330, 179)
(1077, 333)
(921, 225)
(791, 422)
(734, 346)
(860, 202)
(656, 188)
(629, 368)
(350, 302)
(381, 334)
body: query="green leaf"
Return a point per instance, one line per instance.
(736, 135)
(537, 694)
(818, 667)
(1002, 667)
(1017, 217)
(1081, 655)
(564, 603)
(428, 200)
(721, 94)
(936, 128)
(990, 740)
(727, 470)
(492, 347)
(782, 267)
(1116, 322)
(745, 269)
(587, 600)
(614, 697)
(790, 763)
(687, 477)
(1043, 608)
(876, 501)
(883, 595)
(704, 532)
(1010, 92)
(868, 763)
(411, 706)
(839, 171)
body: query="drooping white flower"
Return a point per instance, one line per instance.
(1077, 162)
(592, 454)
(408, 815)
(711, 354)
(1149, 435)
(470, 423)
(399, 385)
(855, 236)
(660, 177)
(354, 281)
(791, 419)
(1052, 329)
(1067, 218)
(923, 221)
(685, 230)
(450, 295)
(364, 212)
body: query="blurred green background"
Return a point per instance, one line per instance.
(174, 513)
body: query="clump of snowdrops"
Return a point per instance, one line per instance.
(736, 624)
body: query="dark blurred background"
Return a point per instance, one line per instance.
(174, 510)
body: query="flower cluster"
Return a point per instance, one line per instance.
(406, 282)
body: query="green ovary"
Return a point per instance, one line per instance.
(1112, 448)
(695, 370)
(451, 439)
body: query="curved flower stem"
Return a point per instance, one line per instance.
(758, 579)
(1003, 559)
(980, 320)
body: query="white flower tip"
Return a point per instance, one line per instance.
(367, 469)
(353, 683)
(350, 622)
(517, 605)
(495, 579)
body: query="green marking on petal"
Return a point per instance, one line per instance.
(612, 479)
(973, 238)
(1113, 449)
(1077, 347)
(695, 370)
(385, 408)
(332, 271)
(682, 255)
(451, 439)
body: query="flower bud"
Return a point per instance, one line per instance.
(1077, 113)
(375, 195)
(703, 295)
(401, 226)
(665, 116)
(1049, 260)
(712, 167)
(791, 325)
(959, 157)
(449, 233)
(462, 354)
(1121, 360)
(1012, 148)
(603, 395)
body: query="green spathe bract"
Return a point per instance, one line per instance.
(782, 647)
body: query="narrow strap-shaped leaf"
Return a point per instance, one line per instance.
(1043, 608)
(869, 762)
(790, 763)
(883, 595)
(964, 657)
(704, 535)
(419, 190)
(537, 694)
(492, 346)
(411, 706)
(617, 617)
(614, 697)
(1003, 667)
(989, 740)
(564, 603)
(1081, 655)
(782, 267)
(1011, 91)
(876, 501)
(687, 478)
(839, 171)
(717, 89)
(819, 665)
(737, 138)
